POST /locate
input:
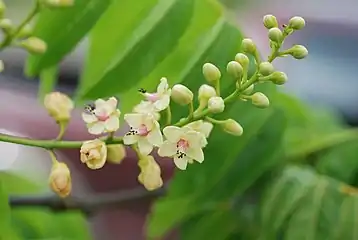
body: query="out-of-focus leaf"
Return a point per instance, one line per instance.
(151, 41)
(5, 227)
(48, 81)
(62, 29)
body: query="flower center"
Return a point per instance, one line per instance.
(152, 97)
(102, 116)
(141, 131)
(182, 146)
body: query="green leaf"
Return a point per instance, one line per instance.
(149, 44)
(62, 30)
(5, 217)
(48, 81)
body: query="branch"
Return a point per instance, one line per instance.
(87, 205)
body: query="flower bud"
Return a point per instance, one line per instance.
(232, 127)
(298, 51)
(235, 69)
(266, 68)
(260, 100)
(278, 78)
(243, 60)
(60, 179)
(59, 3)
(6, 24)
(249, 90)
(216, 105)
(270, 21)
(59, 106)
(275, 35)
(211, 73)
(116, 153)
(25, 32)
(205, 93)
(181, 94)
(2, 8)
(94, 153)
(248, 46)
(296, 23)
(34, 45)
(150, 175)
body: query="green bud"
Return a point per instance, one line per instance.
(260, 100)
(116, 153)
(2, 8)
(34, 45)
(298, 51)
(296, 23)
(181, 94)
(59, 3)
(211, 73)
(232, 127)
(270, 21)
(266, 68)
(275, 35)
(248, 46)
(243, 60)
(25, 32)
(234, 69)
(6, 24)
(249, 90)
(278, 78)
(216, 105)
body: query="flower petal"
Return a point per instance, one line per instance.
(155, 137)
(134, 119)
(99, 103)
(130, 139)
(112, 123)
(196, 154)
(162, 103)
(163, 86)
(181, 163)
(144, 146)
(207, 127)
(96, 128)
(195, 139)
(173, 133)
(95, 164)
(89, 118)
(167, 149)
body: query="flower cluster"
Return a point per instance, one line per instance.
(185, 140)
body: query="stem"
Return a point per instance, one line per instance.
(63, 126)
(169, 115)
(53, 156)
(214, 121)
(217, 87)
(10, 37)
(191, 110)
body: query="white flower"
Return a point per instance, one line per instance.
(93, 153)
(147, 108)
(183, 145)
(202, 127)
(161, 98)
(144, 130)
(102, 117)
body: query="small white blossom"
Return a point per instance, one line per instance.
(147, 108)
(144, 130)
(160, 98)
(102, 117)
(183, 145)
(202, 127)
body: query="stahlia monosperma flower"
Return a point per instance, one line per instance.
(183, 141)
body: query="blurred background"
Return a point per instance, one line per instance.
(326, 78)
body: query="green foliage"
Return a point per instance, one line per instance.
(36, 223)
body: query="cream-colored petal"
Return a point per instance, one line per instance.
(167, 149)
(134, 119)
(96, 128)
(112, 123)
(207, 127)
(99, 103)
(156, 116)
(181, 163)
(163, 86)
(89, 118)
(162, 103)
(195, 139)
(155, 137)
(95, 164)
(130, 139)
(144, 146)
(196, 154)
(149, 121)
(112, 103)
(172, 133)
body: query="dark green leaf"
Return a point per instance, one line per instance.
(62, 30)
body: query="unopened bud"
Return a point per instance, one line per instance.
(6, 24)
(232, 127)
(260, 100)
(25, 32)
(275, 35)
(298, 51)
(59, 106)
(249, 90)
(205, 93)
(150, 175)
(211, 73)
(60, 179)
(235, 69)
(248, 46)
(1, 66)
(59, 3)
(181, 94)
(266, 68)
(270, 21)
(278, 78)
(2, 8)
(296, 23)
(116, 153)
(216, 105)
(34, 45)
(243, 60)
